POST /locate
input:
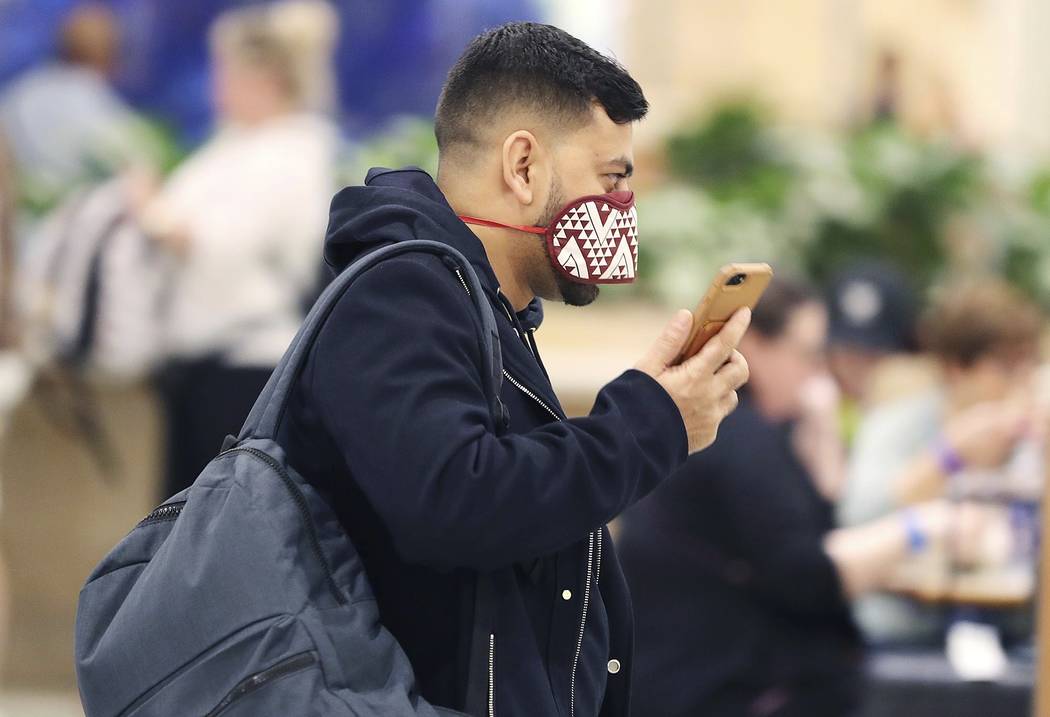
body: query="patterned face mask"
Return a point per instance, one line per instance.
(592, 240)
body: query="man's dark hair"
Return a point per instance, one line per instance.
(779, 302)
(526, 64)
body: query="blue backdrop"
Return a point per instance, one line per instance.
(391, 59)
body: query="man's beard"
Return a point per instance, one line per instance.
(571, 292)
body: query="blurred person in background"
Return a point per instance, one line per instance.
(871, 340)
(740, 580)
(8, 329)
(245, 216)
(885, 101)
(872, 313)
(14, 373)
(64, 122)
(985, 339)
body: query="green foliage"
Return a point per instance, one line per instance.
(1039, 191)
(406, 141)
(730, 156)
(914, 187)
(143, 140)
(1026, 245)
(745, 190)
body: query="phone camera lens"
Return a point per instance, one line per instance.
(736, 280)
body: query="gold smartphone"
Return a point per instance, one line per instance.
(734, 287)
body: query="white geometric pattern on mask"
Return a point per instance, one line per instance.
(597, 240)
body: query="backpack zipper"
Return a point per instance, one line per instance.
(287, 666)
(304, 513)
(168, 511)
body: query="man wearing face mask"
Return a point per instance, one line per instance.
(389, 418)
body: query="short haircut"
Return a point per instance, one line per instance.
(779, 302)
(974, 320)
(90, 36)
(536, 67)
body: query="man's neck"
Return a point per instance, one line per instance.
(510, 283)
(497, 248)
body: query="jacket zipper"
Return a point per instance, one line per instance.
(304, 513)
(591, 570)
(521, 387)
(492, 674)
(598, 561)
(288, 666)
(583, 624)
(590, 556)
(168, 511)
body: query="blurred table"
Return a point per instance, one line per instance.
(989, 589)
(923, 684)
(1042, 697)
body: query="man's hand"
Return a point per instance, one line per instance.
(817, 438)
(985, 434)
(704, 386)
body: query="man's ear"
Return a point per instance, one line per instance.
(522, 166)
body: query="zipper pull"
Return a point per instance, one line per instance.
(504, 414)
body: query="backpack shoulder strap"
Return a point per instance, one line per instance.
(265, 417)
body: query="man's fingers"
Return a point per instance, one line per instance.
(668, 344)
(721, 346)
(735, 371)
(730, 402)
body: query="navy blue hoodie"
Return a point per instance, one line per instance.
(389, 420)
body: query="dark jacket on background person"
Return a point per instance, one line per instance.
(739, 611)
(389, 420)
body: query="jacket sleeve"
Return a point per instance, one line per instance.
(396, 378)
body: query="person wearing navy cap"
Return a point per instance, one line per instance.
(872, 315)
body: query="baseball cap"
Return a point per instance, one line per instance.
(872, 307)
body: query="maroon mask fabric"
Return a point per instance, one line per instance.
(592, 240)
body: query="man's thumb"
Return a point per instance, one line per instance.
(668, 344)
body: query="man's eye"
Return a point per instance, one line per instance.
(617, 177)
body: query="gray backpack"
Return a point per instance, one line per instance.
(242, 595)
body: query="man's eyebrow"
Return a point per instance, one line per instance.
(628, 165)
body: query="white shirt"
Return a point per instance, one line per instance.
(888, 438)
(254, 202)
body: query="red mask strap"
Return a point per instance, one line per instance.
(499, 225)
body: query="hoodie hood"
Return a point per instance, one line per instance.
(402, 204)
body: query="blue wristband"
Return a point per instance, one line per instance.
(916, 535)
(948, 459)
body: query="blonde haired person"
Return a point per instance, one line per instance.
(245, 215)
